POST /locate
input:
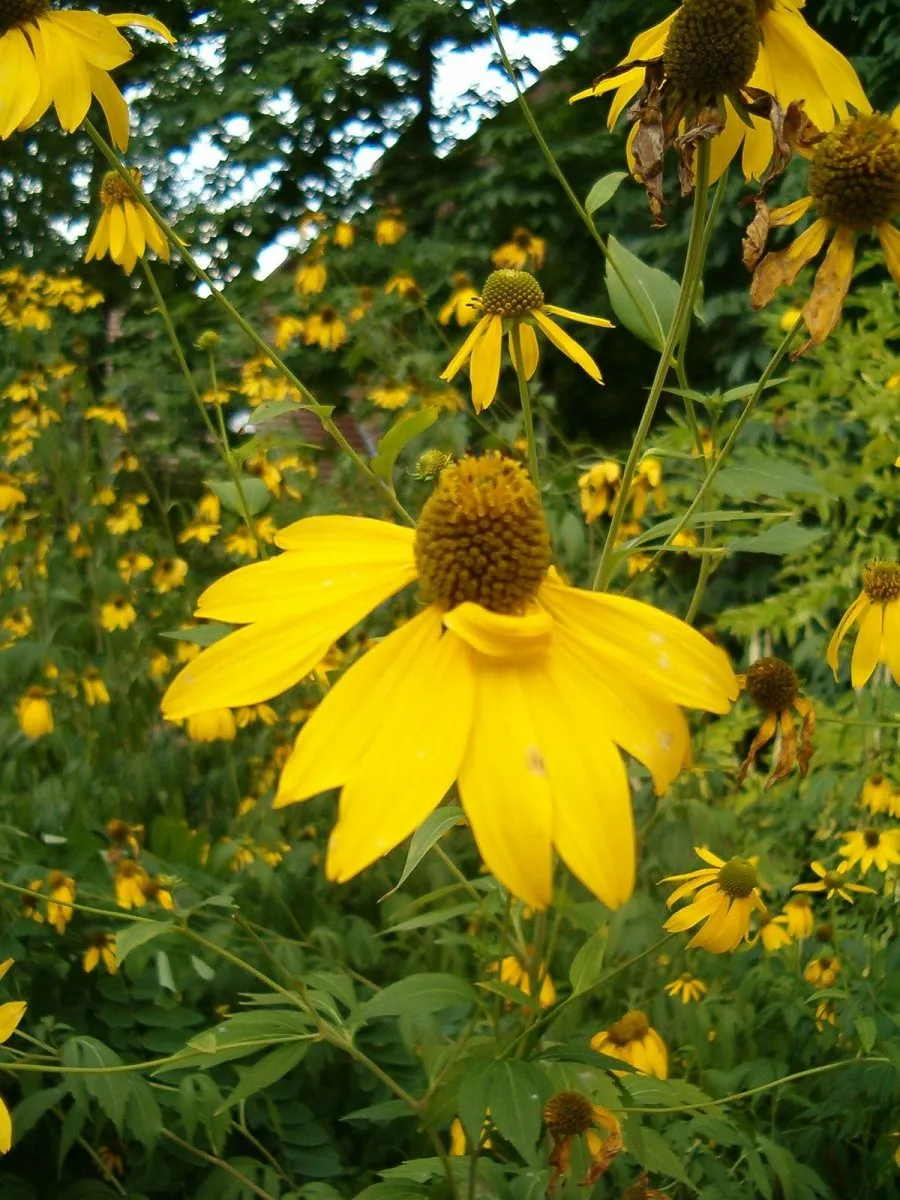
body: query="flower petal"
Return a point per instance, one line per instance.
(484, 365)
(498, 635)
(10, 1016)
(95, 37)
(600, 322)
(822, 310)
(890, 647)
(858, 608)
(568, 346)
(465, 350)
(890, 244)
(867, 651)
(21, 82)
(139, 21)
(336, 538)
(114, 107)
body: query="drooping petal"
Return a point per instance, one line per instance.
(114, 107)
(789, 214)
(503, 781)
(135, 230)
(724, 146)
(781, 268)
(139, 21)
(100, 241)
(21, 82)
(484, 365)
(498, 635)
(412, 761)
(708, 857)
(856, 609)
(704, 904)
(11, 1014)
(890, 244)
(568, 346)
(890, 648)
(600, 322)
(69, 81)
(463, 353)
(95, 36)
(822, 310)
(646, 645)
(5, 1129)
(867, 651)
(530, 349)
(118, 231)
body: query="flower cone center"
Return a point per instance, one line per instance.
(568, 1113)
(631, 1028)
(482, 536)
(772, 684)
(712, 48)
(510, 293)
(738, 878)
(833, 880)
(114, 189)
(881, 581)
(17, 12)
(872, 838)
(854, 178)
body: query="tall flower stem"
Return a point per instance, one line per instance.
(323, 414)
(524, 396)
(693, 268)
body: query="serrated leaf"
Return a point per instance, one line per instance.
(404, 429)
(142, 1113)
(604, 190)
(867, 1032)
(417, 994)
(387, 1110)
(654, 1153)
(110, 1091)
(270, 409)
(255, 492)
(427, 835)
(29, 1111)
(766, 477)
(516, 1092)
(587, 965)
(138, 933)
(270, 1068)
(203, 635)
(656, 291)
(786, 537)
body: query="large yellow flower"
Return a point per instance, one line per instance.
(877, 608)
(514, 300)
(63, 58)
(633, 1040)
(125, 231)
(508, 682)
(878, 848)
(729, 892)
(792, 63)
(854, 188)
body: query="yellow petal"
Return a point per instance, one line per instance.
(530, 349)
(100, 241)
(600, 322)
(21, 82)
(139, 21)
(340, 730)
(10, 1016)
(890, 649)
(135, 230)
(484, 367)
(723, 148)
(867, 651)
(118, 231)
(707, 855)
(782, 268)
(805, 66)
(69, 79)
(114, 107)
(95, 36)
(890, 244)
(503, 781)
(706, 902)
(498, 635)
(568, 346)
(5, 1129)
(822, 310)
(653, 649)
(265, 659)
(856, 609)
(45, 96)
(465, 350)
(788, 214)
(5, 965)
(411, 763)
(326, 540)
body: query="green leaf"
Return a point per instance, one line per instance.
(203, 635)
(270, 409)
(387, 1110)
(867, 1032)
(142, 1114)
(255, 492)
(137, 933)
(437, 917)
(587, 965)
(766, 477)
(604, 190)
(417, 994)
(785, 537)
(29, 1111)
(164, 972)
(516, 1092)
(654, 1153)
(427, 835)
(656, 292)
(400, 1189)
(111, 1092)
(404, 429)
(261, 1074)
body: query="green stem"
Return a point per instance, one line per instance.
(218, 1162)
(519, 364)
(693, 267)
(243, 324)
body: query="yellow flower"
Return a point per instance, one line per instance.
(63, 57)
(390, 227)
(30, 905)
(159, 665)
(117, 613)
(63, 890)
(326, 329)
(18, 622)
(458, 1142)
(125, 231)
(311, 277)
(198, 531)
(287, 329)
(513, 971)
(156, 893)
(687, 987)
(877, 608)
(568, 1115)
(799, 913)
(34, 714)
(774, 688)
(854, 188)
(102, 498)
(101, 950)
(404, 285)
(94, 688)
(390, 395)
(212, 725)
(126, 518)
(540, 682)
(729, 893)
(789, 319)
(878, 848)
(879, 795)
(133, 563)
(647, 482)
(219, 395)
(10, 493)
(786, 58)
(460, 303)
(344, 235)
(251, 713)
(522, 250)
(513, 301)
(774, 932)
(129, 880)
(599, 489)
(125, 461)
(169, 573)
(121, 834)
(110, 413)
(832, 883)
(822, 972)
(209, 507)
(260, 466)
(11, 1014)
(633, 1040)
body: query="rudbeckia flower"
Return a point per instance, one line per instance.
(125, 231)
(212, 725)
(34, 714)
(11, 1014)
(404, 286)
(508, 682)
(832, 883)
(879, 795)
(774, 688)
(633, 1040)
(687, 988)
(326, 329)
(767, 46)
(568, 1115)
(728, 895)
(110, 412)
(460, 305)
(63, 57)
(129, 878)
(799, 914)
(95, 691)
(344, 235)
(854, 189)
(514, 299)
(101, 950)
(878, 848)
(311, 277)
(877, 608)
(117, 613)
(168, 574)
(598, 489)
(514, 972)
(63, 891)
(390, 227)
(390, 395)
(822, 972)
(10, 493)
(774, 932)
(522, 250)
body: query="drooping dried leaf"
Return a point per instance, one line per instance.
(754, 243)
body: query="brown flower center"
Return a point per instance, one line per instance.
(114, 190)
(772, 684)
(712, 48)
(17, 12)
(872, 838)
(631, 1028)
(881, 581)
(511, 293)
(738, 878)
(568, 1113)
(854, 178)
